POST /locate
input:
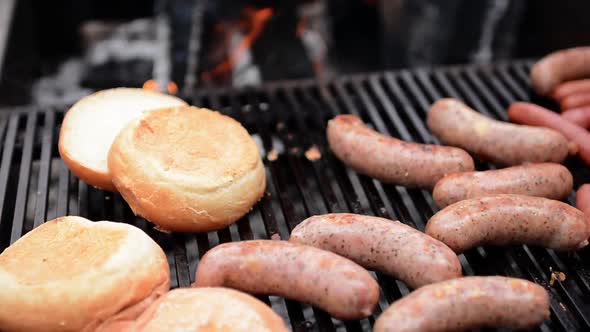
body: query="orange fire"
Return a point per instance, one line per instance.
(256, 20)
(152, 85)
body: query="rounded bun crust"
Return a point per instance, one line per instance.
(187, 169)
(209, 309)
(90, 126)
(71, 274)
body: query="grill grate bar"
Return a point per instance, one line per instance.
(517, 89)
(521, 72)
(501, 90)
(5, 167)
(423, 105)
(63, 190)
(45, 171)
(424, 78)
(443, 81)
(498, 110)
(468, 94)
(23, 178)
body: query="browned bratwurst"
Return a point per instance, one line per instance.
(303, 273)
(381, 244)
(502, 143)
(391, 160)
(468, 303)
(509, 219)
(560, 66)
(547, 180)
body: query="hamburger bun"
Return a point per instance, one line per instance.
(209, 309)
(71, 274)
(187, 169)
(90, 126)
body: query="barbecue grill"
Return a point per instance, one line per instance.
(288, 119)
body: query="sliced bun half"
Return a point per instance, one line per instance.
(209, 309)
(187, 169)
(71, 274)
(91, 125)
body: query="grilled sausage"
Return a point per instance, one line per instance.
(502, 143)
(303, 273)
(392, 160)
(548, 180)
(535, 115)
(381, 244)
(509, 219)
(561, 66)
(579, 116)
(583, 201)
(575, 100)
(572, 87)
(468, 303)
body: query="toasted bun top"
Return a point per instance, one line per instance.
(209, 309)
(71, 274)
(195, 147)
(60, 249)
(91, 125)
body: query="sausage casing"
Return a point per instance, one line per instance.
(583, 201)
(547, 180)
(502, 143)
(391, 160)
(380, 244)
(569, 88)
(468, 303)
(560, 66)
(303, 273)
(509, 219)
(579, 116)
(535, 115)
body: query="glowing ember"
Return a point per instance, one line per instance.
(272, 155)
(151, 85)
(313, 153)
(172, 88)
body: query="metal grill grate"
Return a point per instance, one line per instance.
(289, 118)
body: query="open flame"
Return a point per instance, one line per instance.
(254, 23)
(152, 85)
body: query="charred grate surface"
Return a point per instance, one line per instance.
(287, 119)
